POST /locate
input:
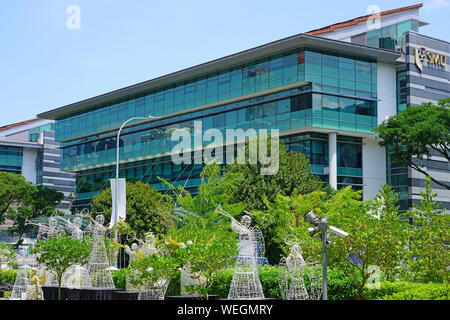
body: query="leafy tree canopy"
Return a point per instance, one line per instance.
(147, 209)
(416, 131)
(294, 174)
(429, 255)
(15, 191)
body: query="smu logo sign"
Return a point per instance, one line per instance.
(421, 55)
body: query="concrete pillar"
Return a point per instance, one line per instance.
(332, 158)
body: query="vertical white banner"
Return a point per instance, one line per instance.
(121, 199)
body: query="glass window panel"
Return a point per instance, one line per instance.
(158, 101)
(283, 106)
(402, 27)
(168, 98)
(330, 102)
(373, 38)
(363, 107)
(330, 65)
(388, 38)
(346, 70)
(349, 155)
(363, 71)
(347, 105)
(189, 93)
(317, 101)
(313, 64)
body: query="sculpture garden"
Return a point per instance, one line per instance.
(212, 247)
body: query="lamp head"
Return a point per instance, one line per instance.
(311, 218)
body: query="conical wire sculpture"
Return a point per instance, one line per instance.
(245, 284)
(295, 273)
(98, 266)
(155, 291)
(19, 291)
(76, 277)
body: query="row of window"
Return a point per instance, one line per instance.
(391, 36)
(328, 72)
(11, 156)
(313, 145)
(285, 114)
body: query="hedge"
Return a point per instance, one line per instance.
(408, 291)
(8, 276)
(339, 287)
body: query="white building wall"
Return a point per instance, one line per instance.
(29, 164)
(374, 167)
(386, 91)
(374, 156)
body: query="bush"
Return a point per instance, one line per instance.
(339, 287)
(120, 278)
(409, 291)
(8, 276)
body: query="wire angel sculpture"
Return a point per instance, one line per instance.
(295, 273)
(50, 230)
(98, 265)
(74, 227)
(245, 284)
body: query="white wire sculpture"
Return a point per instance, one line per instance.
(294, 270)
(155, 291)
(50, 230)
(19, 291)
(245, 284)
(140, 249)
(98, 265)
(190, 278)
(74, 227)
(76, 276)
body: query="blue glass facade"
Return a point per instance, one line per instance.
(11, 159)
(293, 91)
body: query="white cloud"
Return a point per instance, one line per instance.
(437, 4)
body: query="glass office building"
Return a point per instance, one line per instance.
(323, 94)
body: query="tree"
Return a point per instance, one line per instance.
(15, 191)
(8, 255)
(42, 203)
(413, 133)
(209, 244)
(430, 235)
(147, 209)
(59, 253)
(376, 231)
(45, 201)
(294, 173)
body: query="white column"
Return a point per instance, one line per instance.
(332, 158)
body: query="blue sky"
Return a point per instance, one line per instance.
(44, 65)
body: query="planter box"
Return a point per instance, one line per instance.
(125, 295)
(51, 293)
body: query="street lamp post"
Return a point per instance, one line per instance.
(116, 195)
(322, 226)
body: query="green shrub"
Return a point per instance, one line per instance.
(339, 287)
(408, 291)
(120, 278)
(174, 285)
(8, 276)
